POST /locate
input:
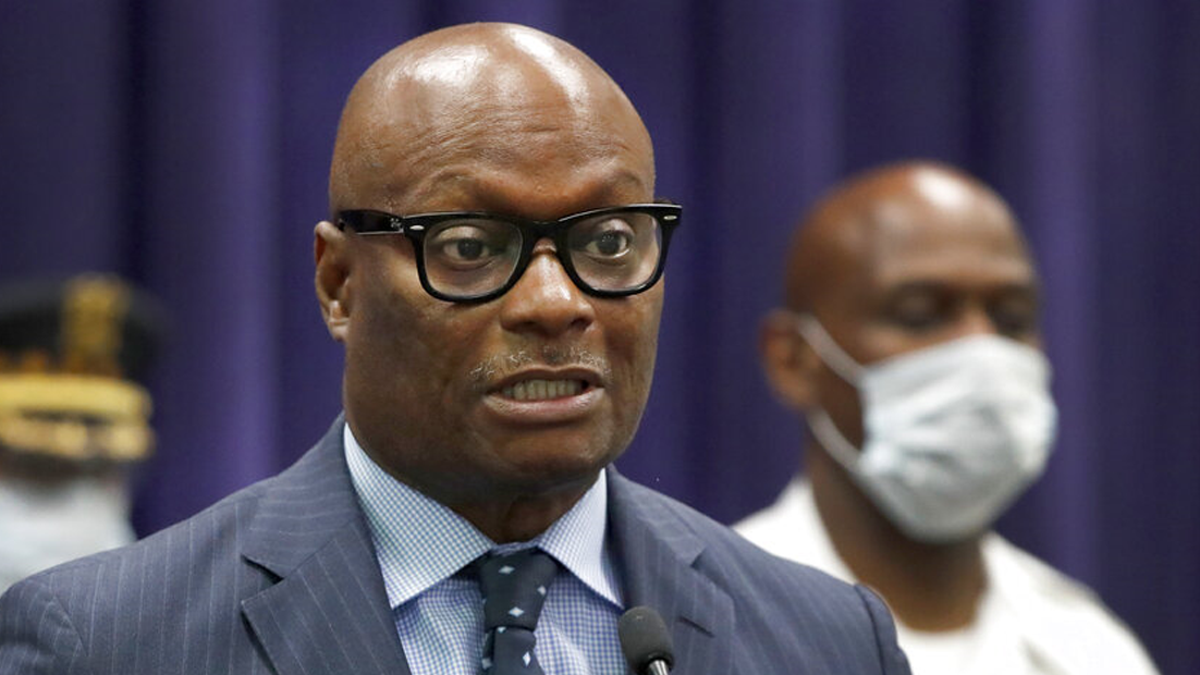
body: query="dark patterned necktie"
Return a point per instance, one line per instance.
(514, 588)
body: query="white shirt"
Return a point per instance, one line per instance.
(1031, 618)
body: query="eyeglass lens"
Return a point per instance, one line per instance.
(475, 256)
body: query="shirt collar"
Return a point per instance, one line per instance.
(420, 542)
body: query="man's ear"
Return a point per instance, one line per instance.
(790, 364)
(332, 277)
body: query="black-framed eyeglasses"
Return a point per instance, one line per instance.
(472, 256)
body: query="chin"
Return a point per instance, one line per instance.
(553, 461)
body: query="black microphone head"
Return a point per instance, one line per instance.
(644, 638)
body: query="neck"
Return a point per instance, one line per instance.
(517, 517)
(505, 510)
(929, 587)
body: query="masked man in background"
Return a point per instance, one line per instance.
(911, 345)
(73, 418)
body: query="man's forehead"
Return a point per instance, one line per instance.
(936, 213)
(464, 169)
(955, 237)
(950, 262)
(501, 101)
(907, 222)
(532, 195)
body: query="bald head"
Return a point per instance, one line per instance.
(870, 217)
(481, 91)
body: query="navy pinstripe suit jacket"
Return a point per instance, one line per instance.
(281, 578)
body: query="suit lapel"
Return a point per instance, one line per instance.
(657, 553)
(328, 614)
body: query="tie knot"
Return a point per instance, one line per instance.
(514, 588)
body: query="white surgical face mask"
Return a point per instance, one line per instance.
(43, 525)
(952, 433)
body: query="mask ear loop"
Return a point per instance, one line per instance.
(832, 440)
(831, 354)
(829, 351)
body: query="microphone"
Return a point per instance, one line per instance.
(645, 641)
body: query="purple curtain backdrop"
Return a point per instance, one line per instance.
(185, 145)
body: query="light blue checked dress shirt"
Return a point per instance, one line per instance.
(421, 545)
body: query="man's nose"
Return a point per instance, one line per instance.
(976, 320)
(545, 300)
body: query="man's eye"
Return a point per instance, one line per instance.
(612, 241)
(918, 313)
(609, 244)
(1014, 323)
(466, 249)
(465, 245)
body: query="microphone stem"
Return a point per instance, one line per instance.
(657, 667)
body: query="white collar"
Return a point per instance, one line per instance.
(420, 542)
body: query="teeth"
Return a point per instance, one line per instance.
(540, 390)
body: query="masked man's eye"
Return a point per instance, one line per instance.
(918, 310)
(1015, 320)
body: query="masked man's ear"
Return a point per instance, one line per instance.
(790, 364)
(330, 250)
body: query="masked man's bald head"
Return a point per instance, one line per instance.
(853, 224)
(453, 91)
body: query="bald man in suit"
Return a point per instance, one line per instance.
(492, 268)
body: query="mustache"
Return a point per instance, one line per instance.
(498, 367)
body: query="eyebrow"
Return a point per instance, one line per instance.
(1029, 289)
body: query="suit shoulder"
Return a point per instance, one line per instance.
(728, 549)
(783, 608)
(36, 633)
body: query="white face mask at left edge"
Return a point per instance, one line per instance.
(42, 526)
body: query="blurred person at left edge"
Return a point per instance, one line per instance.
(73, 417)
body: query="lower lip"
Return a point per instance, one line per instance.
(546, 411)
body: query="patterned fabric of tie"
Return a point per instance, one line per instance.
(514, 588)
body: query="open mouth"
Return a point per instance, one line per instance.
(544, 390)
(546, 397)
(542, 394)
